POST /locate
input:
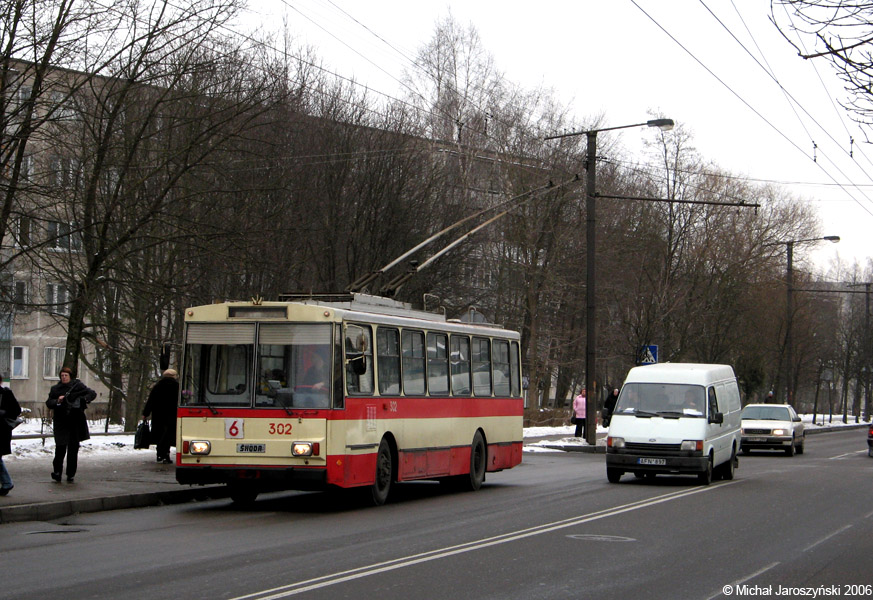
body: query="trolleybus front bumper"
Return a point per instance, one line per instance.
(294, 478)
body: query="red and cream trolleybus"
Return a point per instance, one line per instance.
(344, 391)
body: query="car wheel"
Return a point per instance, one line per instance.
(744, 450)
(613, 475)
(802, 445)
(789, 451)
(869, 451)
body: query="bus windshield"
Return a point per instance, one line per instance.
(273, 365)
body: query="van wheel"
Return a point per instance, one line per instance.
(705, 477)
(613, 475)
(727, 469)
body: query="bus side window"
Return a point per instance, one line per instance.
(501, 368)
(515, 370)
(388, 360)
(459, 358)
(437, 364)
(412, 350)
(481, 366)
(359, 359)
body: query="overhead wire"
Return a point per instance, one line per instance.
(750, 107)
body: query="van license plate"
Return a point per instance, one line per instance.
(652, 461)
(251, 448)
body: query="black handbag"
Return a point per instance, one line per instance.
(573, 419)
(142, 437)
(13, 423)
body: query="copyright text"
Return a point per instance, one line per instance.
(822, 591)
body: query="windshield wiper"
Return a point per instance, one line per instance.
(281, 399)
(644, 414)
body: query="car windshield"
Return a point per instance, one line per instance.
(662, 399)
(766, 413)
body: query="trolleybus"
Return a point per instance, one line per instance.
(344, 391)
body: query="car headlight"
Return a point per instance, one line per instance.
(200, 447)
(615, 442)
(304, 448)
(691, 445)
(779, 432)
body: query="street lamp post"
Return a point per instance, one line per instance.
(590, 304)
(789, 308)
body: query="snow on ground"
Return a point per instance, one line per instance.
(23, 449)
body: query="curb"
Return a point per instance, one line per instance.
(599, 449)
(55, 510)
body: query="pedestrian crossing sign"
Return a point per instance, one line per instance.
(648, 355)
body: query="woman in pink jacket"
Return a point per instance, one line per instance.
(579, 411)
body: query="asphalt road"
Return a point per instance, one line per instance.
(551, 528)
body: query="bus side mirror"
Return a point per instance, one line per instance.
(358, 364)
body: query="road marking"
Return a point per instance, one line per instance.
(737, 582)
(408, 561)
(841, 456)
(827, 537)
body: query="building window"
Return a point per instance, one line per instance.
(19, 294)
(57, 297)
(63, 236)
(53, 360)
(22, 231)
(18, 369)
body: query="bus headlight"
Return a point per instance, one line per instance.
(304, 448)
(200, 447)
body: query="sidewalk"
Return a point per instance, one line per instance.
(103, 482)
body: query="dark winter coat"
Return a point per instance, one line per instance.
(9, 409)
(69, 414)
(162, 401)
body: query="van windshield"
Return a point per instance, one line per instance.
(662, 399)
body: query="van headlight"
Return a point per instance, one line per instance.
(200, 447)
(691, 445)
(614, 442)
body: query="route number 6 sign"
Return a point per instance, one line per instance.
(233, 429)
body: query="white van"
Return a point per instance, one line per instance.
(675, 418)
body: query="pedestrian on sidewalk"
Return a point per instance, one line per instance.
(161, 404)
(579, 409)
(68, 401)
(9, 409)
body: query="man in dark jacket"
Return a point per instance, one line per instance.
(68, 400)
(162, 406)
(9, 409)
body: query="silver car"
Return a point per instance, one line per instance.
(771, 427)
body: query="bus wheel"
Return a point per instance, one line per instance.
(241, 494)
(384, 475)
(478, 461)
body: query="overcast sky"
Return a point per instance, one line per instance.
(623, 58)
